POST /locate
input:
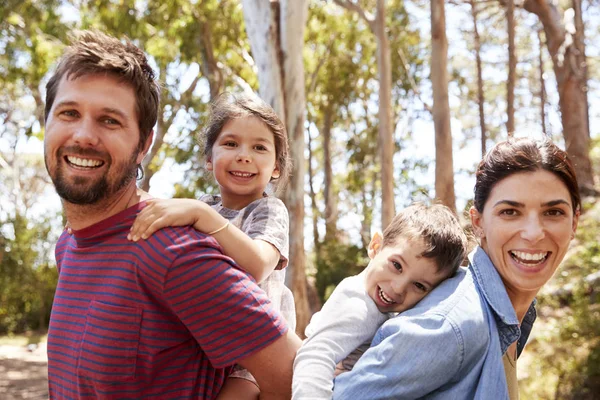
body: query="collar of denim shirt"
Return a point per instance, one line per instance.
(493, 290)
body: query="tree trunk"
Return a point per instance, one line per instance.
(293, 22)
(444, 170)
(571, 89)
(579, 42)
(329, 192)
(313, 195)
(386, 130)
(512, 68)
(262, 26)
(276, 33)
(480, 94)
(542, 84)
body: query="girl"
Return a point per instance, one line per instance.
(246, 148)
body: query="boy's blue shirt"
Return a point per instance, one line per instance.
(449, 346)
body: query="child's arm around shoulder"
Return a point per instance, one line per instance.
(257, 257)
(347, 320)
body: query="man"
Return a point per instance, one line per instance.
(161, 318)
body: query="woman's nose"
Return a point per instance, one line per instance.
(533, 231)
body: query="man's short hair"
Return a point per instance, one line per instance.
(439, 229)
(93, 53)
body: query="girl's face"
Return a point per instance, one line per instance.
(243, 161)
(525, 228)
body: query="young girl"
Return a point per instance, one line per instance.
(246, 148)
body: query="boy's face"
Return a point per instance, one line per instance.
(397, 277)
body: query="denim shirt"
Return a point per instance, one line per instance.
(449, 346)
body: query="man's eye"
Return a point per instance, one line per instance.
(69, 113)
(397, 265)
(111, 121)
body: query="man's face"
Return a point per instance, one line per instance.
(91, 141)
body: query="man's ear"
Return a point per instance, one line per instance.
(375, 245)
(146, 148)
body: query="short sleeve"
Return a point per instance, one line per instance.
(268, 220)
(226, 312)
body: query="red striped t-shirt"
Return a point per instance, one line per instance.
(158, 318)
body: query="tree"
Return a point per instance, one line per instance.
(276, 32)
(377, 25)
(572, 86)
(512, 68)
(444, 170)
(480, 95)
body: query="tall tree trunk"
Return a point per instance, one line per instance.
(313, 195)
(579, 42)
(386, 128)
(444, 170)
(542, 84)
(480, 94)
(571, 84)
(512, 68)
(276, 32)
(329, 192)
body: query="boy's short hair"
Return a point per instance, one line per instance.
(444, 239)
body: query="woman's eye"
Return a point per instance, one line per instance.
(229, 144)
(555, 212)
(397, 265)
(509, 212)
(420, 287)
(260, 147)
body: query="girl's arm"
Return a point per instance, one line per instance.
(257, 257)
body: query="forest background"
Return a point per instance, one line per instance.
(386, 102)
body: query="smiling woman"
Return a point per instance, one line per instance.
(463, 339)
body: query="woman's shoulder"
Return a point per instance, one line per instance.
(456, 304)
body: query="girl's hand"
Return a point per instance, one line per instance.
(160, 213)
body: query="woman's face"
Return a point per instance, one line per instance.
(525, 228)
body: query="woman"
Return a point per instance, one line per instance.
(462, 341)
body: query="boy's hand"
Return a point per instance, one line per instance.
(160, 213)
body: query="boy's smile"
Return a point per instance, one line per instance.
(398, 277)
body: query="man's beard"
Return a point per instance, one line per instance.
(81, 192)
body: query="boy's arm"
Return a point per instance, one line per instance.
(348, 319)
(257, 257)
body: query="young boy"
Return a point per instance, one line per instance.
(422, 246)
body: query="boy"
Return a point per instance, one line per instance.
(422, 246)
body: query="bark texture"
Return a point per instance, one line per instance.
(444, 169)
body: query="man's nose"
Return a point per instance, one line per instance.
(85, 133)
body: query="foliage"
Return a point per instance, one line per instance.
(337, 260)
(27, 280)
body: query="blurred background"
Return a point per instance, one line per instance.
(386, 102)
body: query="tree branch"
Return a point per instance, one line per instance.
(353, 7)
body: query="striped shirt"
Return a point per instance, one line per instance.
(160, 318)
